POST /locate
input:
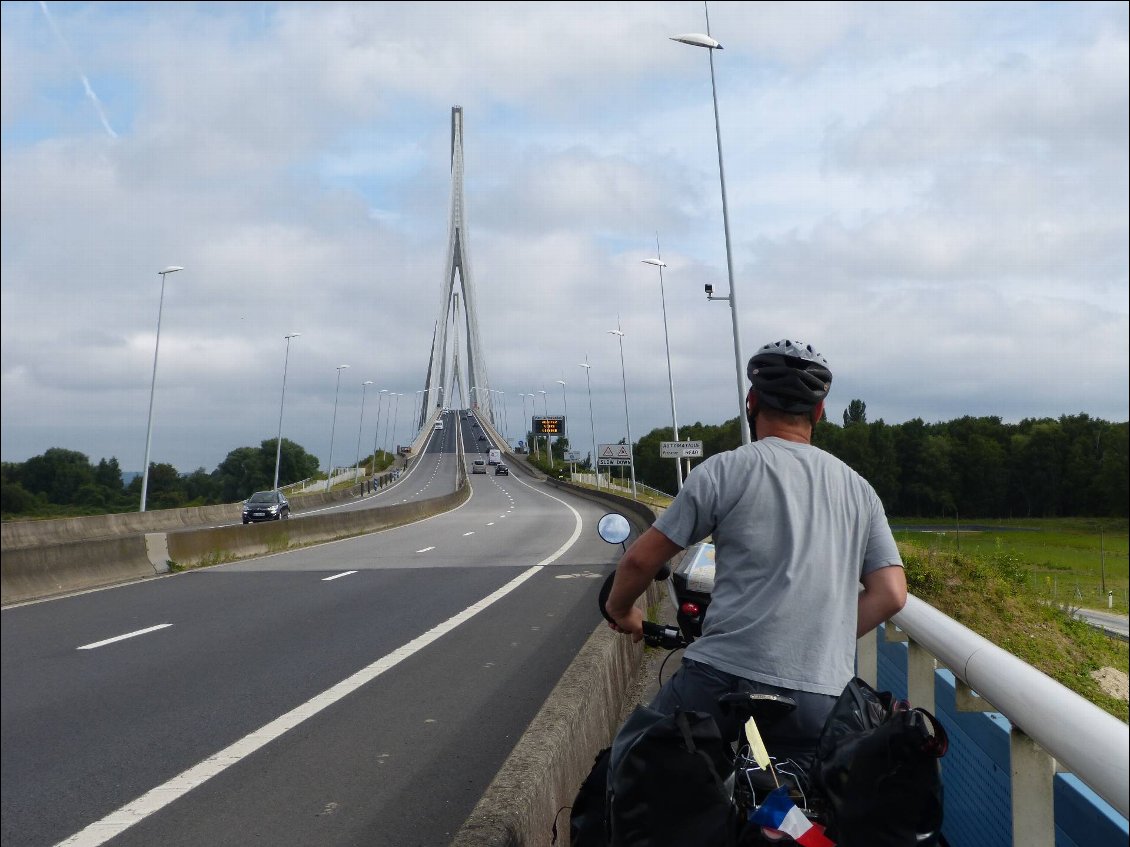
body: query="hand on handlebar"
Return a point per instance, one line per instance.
(629, 624)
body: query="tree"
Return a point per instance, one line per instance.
(855, 413)
(58, 475)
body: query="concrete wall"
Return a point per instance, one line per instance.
(30, 573)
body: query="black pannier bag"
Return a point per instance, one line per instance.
(665, 780)
(876, 771)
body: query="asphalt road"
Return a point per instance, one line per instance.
(358, 692)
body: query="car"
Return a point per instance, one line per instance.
(266, 506)
(478, 466)
(501, 470)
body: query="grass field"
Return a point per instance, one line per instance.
(1070, 560)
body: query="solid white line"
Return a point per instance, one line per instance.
(338, 575)
(123, 637)
(156, 799)
(426, 549)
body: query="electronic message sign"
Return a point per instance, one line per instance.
(548, 426)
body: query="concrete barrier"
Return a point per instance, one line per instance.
(31, 573)
(18, 535)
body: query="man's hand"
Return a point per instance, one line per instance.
(629, 624)
(637, 568)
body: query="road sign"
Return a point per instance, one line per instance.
(614, 455)
(680, 449)
(548, 426)
(573, 456)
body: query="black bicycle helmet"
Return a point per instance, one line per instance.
(790, 376)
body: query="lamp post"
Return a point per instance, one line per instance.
(364, 385)
(377, 430)
(333, 428)
(278, 441)
(660, 264)
(172, 269)
(545, 407)
(565, 404)
(526, 417)
(395, 420)
(700, 40)
(623, 375)
(596, 467)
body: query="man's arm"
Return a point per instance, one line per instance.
(883, 595)
(637, 568)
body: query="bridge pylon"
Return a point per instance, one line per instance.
(457, 270)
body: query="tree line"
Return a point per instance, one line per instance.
(64, 482)
(1072, 466)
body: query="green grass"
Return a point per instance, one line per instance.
(990, 595)
(1063, 559)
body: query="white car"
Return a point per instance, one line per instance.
(478, 466)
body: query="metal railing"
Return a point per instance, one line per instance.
(1051, 728)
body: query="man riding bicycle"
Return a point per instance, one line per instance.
(805, 561)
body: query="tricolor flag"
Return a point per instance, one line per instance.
(780, 813)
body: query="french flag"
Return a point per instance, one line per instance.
(780, 813)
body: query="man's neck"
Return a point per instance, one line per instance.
(799, 432)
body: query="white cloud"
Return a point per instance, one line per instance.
(922, 186)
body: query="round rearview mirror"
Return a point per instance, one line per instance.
(614, 528)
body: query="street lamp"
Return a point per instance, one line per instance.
(545, 406)
(596, 467)
(395, 419)
(528, 420)
(565, 403)
(333, 429)
(700, 40)
(632, 464)
(376, 432)
(172, 269)
(364, 385)
(659, 263)
(278, 441)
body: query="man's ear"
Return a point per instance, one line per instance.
(817, 413)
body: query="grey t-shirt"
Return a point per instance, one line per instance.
(794, 530)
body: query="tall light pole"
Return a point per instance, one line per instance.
(596, 467)
(377, 431)
(700, 40)
(659, 263)
(526, 417)
(545, 406)
(623, 375)
(396, 419)
(364, 385)
(333, 429)
(565, 405)
(278, 440)
(171, 269)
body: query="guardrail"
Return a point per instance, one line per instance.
(1050, 727)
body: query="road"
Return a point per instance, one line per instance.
(358, 692)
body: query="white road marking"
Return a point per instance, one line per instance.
(426, 549)
(123, 637)
(338, 575)
(490, 523)
(157, 798)
(468, 533)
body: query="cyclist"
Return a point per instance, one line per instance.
(796, 532)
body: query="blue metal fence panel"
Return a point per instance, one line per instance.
(976, 773)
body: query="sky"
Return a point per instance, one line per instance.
(933, 195)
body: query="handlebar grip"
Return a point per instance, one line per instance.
(663, 636)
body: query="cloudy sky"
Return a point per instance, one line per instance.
(932, 194)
